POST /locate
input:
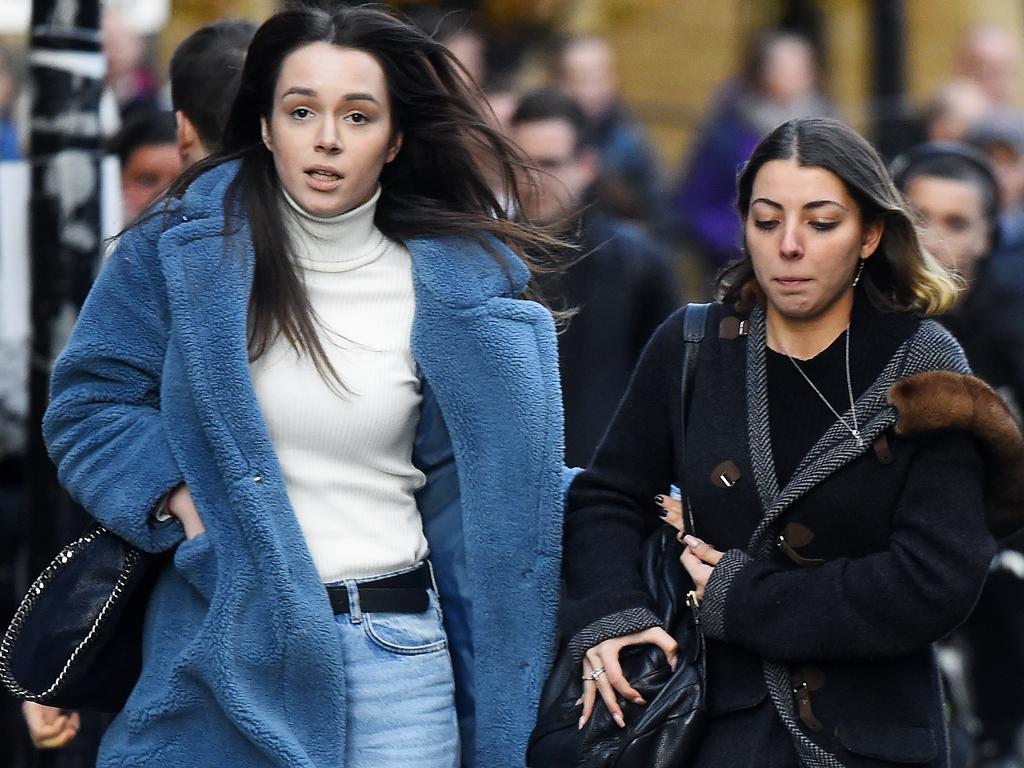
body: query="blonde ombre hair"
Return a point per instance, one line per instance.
(902, 276)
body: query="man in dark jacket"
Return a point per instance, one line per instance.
(629, 185)
(621, 285)
(956, 192)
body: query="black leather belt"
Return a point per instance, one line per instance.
(401, 593)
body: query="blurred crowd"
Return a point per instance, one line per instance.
(644, 241)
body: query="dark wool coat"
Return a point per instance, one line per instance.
(621, 292)
(833, 587)
(241, 660)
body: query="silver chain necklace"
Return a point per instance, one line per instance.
(855, 429)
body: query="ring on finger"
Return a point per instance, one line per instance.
(594, 675)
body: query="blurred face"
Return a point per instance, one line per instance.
(956, 232)
(147, 171)
(1009, 169)
(992, 57)
(959, 106)
(122, 46)
(330, 128)
(588, 77)
(503, 104)
(805, 238)
(789, 72)
(468, 48)
(556, 192)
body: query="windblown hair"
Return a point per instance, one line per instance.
(436, 186)
(902, 276)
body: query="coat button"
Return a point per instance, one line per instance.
(257, 478)
(726, 474)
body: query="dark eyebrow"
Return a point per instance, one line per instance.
(811, 205)
(299, 91)
(823, 203)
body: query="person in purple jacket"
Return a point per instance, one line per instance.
(778, 81)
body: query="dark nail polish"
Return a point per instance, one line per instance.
(659, 499)
(663, 513)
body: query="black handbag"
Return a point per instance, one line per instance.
(75, 641)
(665, 731)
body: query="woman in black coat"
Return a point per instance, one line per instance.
(843, 477)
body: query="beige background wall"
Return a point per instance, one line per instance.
(673, 53)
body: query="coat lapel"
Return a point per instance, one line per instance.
(834, 449)
(491, 362)
(209, 279)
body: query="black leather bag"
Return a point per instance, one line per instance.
(664, 732)
(76, 639)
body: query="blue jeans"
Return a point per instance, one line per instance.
(399, 688)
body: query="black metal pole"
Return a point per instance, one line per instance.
(891, 114)
(67, 68)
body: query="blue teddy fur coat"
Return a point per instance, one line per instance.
(241, 661)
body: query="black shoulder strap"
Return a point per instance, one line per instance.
(695, 320)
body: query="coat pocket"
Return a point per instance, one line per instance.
(196, 560)
(901, 744)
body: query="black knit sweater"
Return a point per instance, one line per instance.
(798, 416)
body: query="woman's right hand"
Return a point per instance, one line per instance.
(605, 656)
(181, 506)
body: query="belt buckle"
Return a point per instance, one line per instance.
(433, 578)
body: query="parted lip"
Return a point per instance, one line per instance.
(791, 279)
(324, 169)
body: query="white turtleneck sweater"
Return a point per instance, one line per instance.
(347, 453)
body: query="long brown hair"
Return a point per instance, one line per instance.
(436, 186)
(902, 276)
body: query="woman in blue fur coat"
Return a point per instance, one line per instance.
(315, 363)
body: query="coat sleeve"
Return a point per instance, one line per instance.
(103, 427)
(884, 604)
(611, 507)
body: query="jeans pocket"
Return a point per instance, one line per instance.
(196, 560)
(408, 633)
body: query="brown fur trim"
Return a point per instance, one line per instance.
(942, 400)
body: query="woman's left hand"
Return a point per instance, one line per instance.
(699, 559)
(50, 727)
